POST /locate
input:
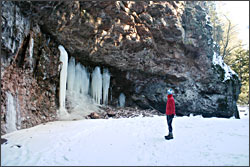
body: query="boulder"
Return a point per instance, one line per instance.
(94, 115)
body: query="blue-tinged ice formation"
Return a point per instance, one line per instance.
(78, 78)
(13, 116)
(96, 85)
(106, 82)
(10, 114)
(85, 81)
(71, 74)
(122, 99)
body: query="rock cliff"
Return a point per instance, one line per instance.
(148, 48)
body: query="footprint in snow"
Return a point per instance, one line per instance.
(17, 145)
(66, 158)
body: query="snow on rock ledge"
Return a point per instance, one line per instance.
(228, 72)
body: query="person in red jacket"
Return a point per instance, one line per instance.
(170, 112)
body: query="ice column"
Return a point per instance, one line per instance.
(31, 51)
(106, 82)
(63, 79)
(122, 99)
(85, 81)
(96, 85)
(78, 78)
(71, 74)
(18, 112)
(10, 114)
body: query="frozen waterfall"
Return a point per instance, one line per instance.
(63, 79)
(83, 96)
(106, 82)
(79, 102)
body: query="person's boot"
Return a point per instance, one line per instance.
(169, 136)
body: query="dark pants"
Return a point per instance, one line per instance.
(169, 120)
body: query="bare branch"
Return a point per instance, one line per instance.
(227, 38)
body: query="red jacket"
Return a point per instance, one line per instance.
(170, 109)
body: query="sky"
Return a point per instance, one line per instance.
(238, 11)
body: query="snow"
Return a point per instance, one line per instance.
(217, 60)
(79, 105)
(130, 141)
(243, 111)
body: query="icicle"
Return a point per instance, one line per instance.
(85, 81)
(78, 78)
(10, 114)
(106, 82)
(31, 51)
(71, 74)
(19, 119)
(111, 94)
(96, 85)
(122, 99)
(63, 77)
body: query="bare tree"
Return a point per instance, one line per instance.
(227, 43)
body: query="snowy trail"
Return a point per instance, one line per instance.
(130, 141)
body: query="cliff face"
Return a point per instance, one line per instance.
(29, 71)
(148, 48)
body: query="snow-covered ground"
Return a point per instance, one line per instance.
(130, 141)
(243, 111)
